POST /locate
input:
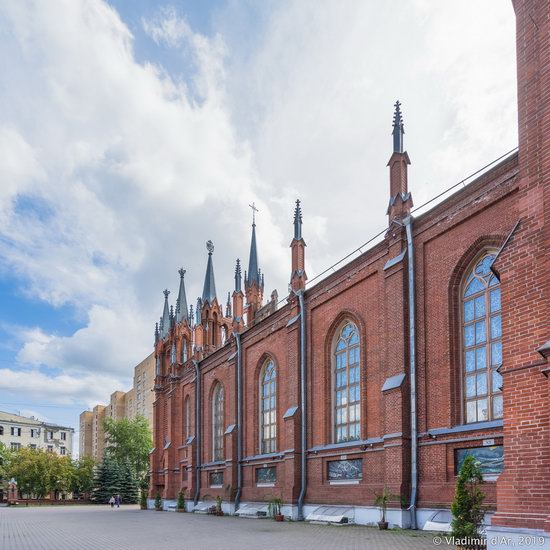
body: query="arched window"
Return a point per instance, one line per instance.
(268, 408)
(347, 384)
(482, 343)
(187, 413)
(184, 350)
(217, 423)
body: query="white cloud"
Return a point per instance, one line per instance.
(129, 169)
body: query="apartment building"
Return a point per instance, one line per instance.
(18, 431)
(136, 401)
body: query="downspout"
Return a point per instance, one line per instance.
(412, 371)
(303, 404)
(239, 422)
(197, 431)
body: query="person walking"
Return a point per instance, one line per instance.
(118, 500)
(112, 501)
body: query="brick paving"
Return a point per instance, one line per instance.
(128, 528)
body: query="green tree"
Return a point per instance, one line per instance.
(467, 506)
(129, 441)
(34, 471)
(83, 479)
(107, 480)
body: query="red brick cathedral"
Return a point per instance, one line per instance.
(431, 346)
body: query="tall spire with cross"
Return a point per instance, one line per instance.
(253, 275)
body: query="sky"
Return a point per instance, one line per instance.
(133, 131)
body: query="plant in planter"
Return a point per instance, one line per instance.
(143, 499)
(275, 509)
(219, 511)
(158, 502)
(381, 501)
(180, 504)
(467, 507)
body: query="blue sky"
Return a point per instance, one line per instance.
(136, 130)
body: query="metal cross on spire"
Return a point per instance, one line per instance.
(254, 210)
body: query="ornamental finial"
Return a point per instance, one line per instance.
(210, 247)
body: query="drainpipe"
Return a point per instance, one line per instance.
(197, 430)
(239, 421)
(412, 371)
(303, 404)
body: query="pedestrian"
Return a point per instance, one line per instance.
(112, 501)
(118, 500)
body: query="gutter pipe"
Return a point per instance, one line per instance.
(303, 404)
(197, 431)
(239, 421)
(412, 372)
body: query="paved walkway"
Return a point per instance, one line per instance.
(128, 528)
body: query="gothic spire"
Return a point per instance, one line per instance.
(238, 276)
(181, 308)
(209, 289)
(165, 321)
(298, 221)
(398, 129)
(253, 271)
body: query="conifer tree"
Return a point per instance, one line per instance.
(467, 506)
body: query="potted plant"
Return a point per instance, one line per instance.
(467, 507)
(275, 509)
(158, 502)
(219, 511)
(180, 504)
(381, 501)
(143, 500)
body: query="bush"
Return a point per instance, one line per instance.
(180, 504)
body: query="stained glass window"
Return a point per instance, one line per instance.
(268, 408)
(184, 351)
(340, 470)
(266, 475)
(217, 423)
(347, 385)
(216, 479)
(482, 343)
(187, 413)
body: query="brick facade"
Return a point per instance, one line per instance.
(372, 291)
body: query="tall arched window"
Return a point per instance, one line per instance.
(217, 423)
(184, 351)
(482, 343)
(268, 408)
(187, 413)
(347, 384)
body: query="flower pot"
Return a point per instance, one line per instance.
(180, 510)
(382, 525)
(279, 517)
(219, 512)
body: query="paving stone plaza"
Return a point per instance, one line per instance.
(128, 528)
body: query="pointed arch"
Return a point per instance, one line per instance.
(267, 397)
(481, 247)
(218, 425)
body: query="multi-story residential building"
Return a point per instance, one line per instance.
(137, 401)
(86, 434)
(18, 431)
